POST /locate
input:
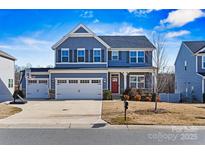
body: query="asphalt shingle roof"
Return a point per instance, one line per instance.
(127, 41)
(195, 46)
(6, 55)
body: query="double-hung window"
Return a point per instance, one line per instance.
(81, 55)
(96, 55)
(133, 56)
(140, 58)
(115, 55)
(203, 62)
(64, 55)
(10, 83)
(137, 56)
(137, 81)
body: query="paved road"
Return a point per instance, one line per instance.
(142, 135)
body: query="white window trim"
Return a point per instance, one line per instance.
(137, 76)
(202, 62)
(64, 49)
(94, 54)
(77, 54)
(136, 56)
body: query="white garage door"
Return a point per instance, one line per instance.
(83, 88)
(37, 88)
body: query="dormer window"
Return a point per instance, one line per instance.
(203, 62)
(64, 55)
(81, 55)
(115, 55)
(96, 55)
(185, 65)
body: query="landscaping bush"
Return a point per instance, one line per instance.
(158, 98)
(126, 97)
(148, 99)
(138, 97)
(107, 95)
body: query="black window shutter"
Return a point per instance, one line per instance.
(102, 55)
(86, 55)
(109, 55)
(58, 56)
(91, 55)
(120, 55)
(70, 55)
(128, 57)
(75, 55)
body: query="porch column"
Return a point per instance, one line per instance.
(125, 80)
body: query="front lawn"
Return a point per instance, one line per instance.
(142, 113)
(6, 110)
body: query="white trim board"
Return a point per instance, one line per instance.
(78, 71)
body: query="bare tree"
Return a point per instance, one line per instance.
(160, 62)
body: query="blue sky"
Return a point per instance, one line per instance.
(29, 34)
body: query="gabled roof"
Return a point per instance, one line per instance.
(127, 41)
(195, 46)
(108, 41)
(81, 31)
(6, 55)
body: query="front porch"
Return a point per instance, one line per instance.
(121, 79)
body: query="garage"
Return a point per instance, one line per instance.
(80, 88)
(37, 88)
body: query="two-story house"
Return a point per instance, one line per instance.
(7, 78)
(87, 64)
(190, 70)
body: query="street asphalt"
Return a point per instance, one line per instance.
(98, 136)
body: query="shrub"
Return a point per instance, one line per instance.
(126, 97)
(158, 98)
(107, 95)
(148, 99)
(127, 91)
(138, 97)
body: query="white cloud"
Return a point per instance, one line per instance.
(87, 14)
(96, 21)
(177, 33)
(3, 46)
(180, 18)
(31, 41)
(141, 12)
(128, 30)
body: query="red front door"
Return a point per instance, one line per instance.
(115, 81)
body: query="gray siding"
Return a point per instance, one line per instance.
(81, 42)
(81, 65)
(5, 94)
(124, 60)
(187, 79)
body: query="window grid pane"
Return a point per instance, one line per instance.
(64, 55)
(97, 55)
(115, 55)
(81, 55)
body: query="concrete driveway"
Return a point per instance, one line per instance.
(56, 114)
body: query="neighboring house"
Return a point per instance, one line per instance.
(87, 64)
(190, 70)
(7, 69)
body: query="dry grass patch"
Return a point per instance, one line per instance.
(142, 113)
(6, 110)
